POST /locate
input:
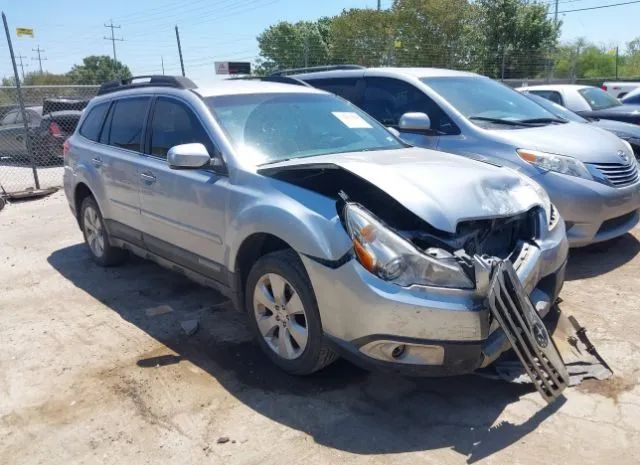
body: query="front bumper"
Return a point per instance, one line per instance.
(593, 212)
(359, 310)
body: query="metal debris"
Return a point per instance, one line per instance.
(189, 326)
(159, 310)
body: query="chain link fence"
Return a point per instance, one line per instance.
(31, 142)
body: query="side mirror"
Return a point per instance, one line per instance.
(415, 122)
(188, 156)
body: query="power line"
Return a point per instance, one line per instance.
(599, 7)
(113, 38)
(39, 51)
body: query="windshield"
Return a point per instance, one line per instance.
(485, 101)
(268, 128)
(556, 109)
(598, 99)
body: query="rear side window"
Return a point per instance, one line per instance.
(173, 123)
(93, 122)
(347, 88)
(387, 99)
(550, 95)
(127, 122)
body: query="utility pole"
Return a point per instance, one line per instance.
(22, 65)
(555, 22)
(555, 13)
(21, 103)
(39, 59)
(180, 50)
(616, 62)
(379, 5)
(162, 61)
(113, 37)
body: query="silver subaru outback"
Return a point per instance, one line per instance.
(333, 235)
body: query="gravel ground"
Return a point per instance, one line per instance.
(95, 368)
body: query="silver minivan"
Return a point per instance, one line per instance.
(590, 174)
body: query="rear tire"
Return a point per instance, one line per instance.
(283, 314)
(96, 235)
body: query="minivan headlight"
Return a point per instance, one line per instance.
(557, 163)
(392, 258)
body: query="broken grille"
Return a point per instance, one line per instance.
(512, 308)
(618, 174)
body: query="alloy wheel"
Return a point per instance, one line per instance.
(93, 231)
(280, 316)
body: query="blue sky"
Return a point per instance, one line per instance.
(217, 30)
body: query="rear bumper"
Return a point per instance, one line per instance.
(593, 212)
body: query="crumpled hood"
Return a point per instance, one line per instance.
(440, 188)
(582, 141)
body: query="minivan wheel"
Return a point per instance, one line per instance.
(96, 236)
(283, 314)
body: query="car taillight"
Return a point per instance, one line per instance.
(54, 129)
(65, 148)
(604, 87)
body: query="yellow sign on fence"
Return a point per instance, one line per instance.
(24, 32)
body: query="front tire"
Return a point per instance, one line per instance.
(96, 236)
(283, 314)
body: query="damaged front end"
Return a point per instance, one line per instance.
(505, 268)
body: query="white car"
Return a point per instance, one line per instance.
(588, 101)
(619, 89)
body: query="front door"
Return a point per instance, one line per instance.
(183, 210)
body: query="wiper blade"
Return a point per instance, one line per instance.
(508, 122)
(544, 120)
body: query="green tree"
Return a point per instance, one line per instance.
(631, 59)
(513, 36)
(293, 45)
(96, 69)
(362, 36)
(431, 32)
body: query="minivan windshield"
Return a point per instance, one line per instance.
(598, 99)
(272, 127)
(489, 103)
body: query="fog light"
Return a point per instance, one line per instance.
(406, 353)
(398, 351)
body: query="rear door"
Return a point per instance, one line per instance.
(183, 210)
(118, 160)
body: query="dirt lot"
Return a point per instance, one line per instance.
(87, 376)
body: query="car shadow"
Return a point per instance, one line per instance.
(342, 406)
(596, 259)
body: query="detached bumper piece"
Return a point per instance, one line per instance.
(511, 307)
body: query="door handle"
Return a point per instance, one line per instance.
(97, 162)
(147, 178)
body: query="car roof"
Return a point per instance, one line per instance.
(554, 87)
(388, 72)
(252, 86)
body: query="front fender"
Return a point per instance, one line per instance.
(316, 232)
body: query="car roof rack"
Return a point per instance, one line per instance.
(315, 69)
(280, 79)
(177, 82)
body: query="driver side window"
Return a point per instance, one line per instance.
(173, 124)
(387, 99)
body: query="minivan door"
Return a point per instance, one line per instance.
(183, 210)
(387, 99)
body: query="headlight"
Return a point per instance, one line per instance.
(393, 258)
(557, 163)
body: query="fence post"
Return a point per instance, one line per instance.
(25, 121)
